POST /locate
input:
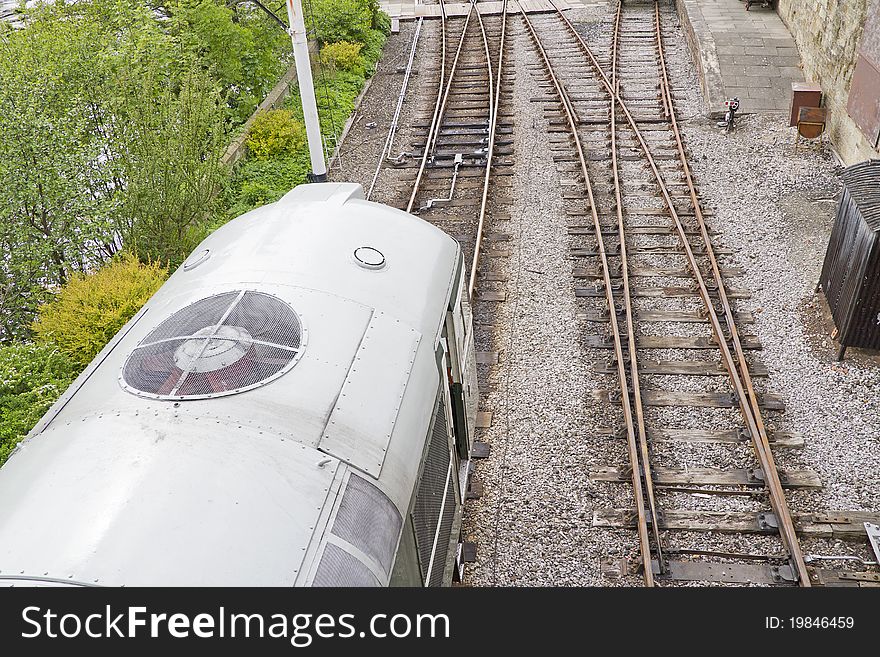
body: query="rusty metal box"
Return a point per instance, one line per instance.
(803, 95)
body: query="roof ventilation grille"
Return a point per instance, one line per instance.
(224, 344)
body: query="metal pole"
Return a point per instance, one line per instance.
(306, 89)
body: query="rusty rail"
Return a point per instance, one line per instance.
(759, 437)
(641, 432)
(494, 95)
(392, 129)
(441, 99)
(626, 400)
(490, 151)
(736, 366)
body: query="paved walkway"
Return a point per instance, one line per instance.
(748, 54)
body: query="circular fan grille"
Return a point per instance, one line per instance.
(220, 345)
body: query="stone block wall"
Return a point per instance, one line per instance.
(828, 33)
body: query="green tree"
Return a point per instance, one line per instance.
(242, 48)
(111, 129)
(340, 20)
(171, 144)
(59, 183)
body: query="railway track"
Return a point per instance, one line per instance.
(454, 172)
(450, 169)
(684, 373)
(645, 259)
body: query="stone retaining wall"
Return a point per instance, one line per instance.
(828, 33)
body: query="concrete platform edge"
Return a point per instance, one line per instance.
(704, 55)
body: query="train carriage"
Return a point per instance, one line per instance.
(294, 407)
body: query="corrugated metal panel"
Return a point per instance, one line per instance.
(864, 95)
(446, 522)
(844, 261)
(864, 330)
(851, 272)
(862, 181)
(429, 500)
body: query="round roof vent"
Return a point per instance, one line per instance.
(369, 258)
(196, 259)
(220, 345)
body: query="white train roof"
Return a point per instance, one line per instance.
(309, 239)
(124, 483)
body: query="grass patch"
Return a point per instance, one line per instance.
(256, 182)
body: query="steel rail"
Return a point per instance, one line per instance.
(440, 82)
(641, 433)
(440, 107)
(762, 450)
(761, 440)
(632, 446)
(392, 129)
(451, 77)
(490, 151)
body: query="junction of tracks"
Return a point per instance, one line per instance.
(659, 404)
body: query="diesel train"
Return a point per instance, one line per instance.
(294, 407)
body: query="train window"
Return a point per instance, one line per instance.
(220, 345)
(368, 520)
(339, 568)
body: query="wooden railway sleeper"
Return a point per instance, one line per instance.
(750, 413)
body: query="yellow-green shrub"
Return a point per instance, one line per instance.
(344, 55)
(90, 309)
(275, 132)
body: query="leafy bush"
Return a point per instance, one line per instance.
(274, 133)
(340, 20)
(32, 377)
(373, 43)
(344, 55)
(257, 182)
(237, 43)
(90, 309)
(172, 170)
(381, 20)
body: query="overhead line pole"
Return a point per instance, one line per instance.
(307, 90)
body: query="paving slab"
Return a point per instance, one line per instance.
(735, 49)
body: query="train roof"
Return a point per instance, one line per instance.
(125, 481)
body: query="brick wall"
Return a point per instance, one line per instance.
(828, 33)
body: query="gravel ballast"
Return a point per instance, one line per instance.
(533, 525)
(773, 207)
